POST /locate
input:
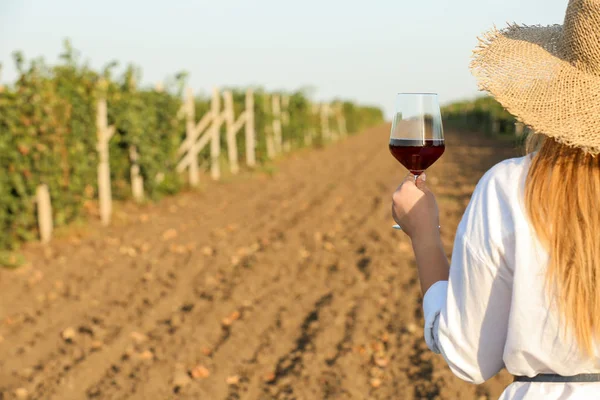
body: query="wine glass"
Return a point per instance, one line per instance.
(417, 136)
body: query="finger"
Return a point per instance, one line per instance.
(421, 182)
(409, 180)
(394, 216)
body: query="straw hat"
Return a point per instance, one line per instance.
(548, 76)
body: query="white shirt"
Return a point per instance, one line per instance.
(493, 311)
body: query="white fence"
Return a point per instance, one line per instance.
(198, 134)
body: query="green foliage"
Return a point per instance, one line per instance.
(48, 135)
(479, 115)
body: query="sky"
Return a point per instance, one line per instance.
(365, 51)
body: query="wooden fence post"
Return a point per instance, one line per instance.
(341, 120)
(215, 143)
(104, 133)
(285, 120)
(326, 132)
(231, 142)
(269, 128)
(276, 108)
(495, 126)
(312, 132)
(137, 182)
(190, 118)
(250, 133)
(44, 211)
(519, 129)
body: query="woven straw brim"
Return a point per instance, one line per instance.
(522, 67)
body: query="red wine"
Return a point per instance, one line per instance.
(417, 155)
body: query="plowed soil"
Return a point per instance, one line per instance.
(280, 284)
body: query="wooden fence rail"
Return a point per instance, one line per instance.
(208, 129)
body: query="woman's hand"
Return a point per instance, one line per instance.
(414, 208)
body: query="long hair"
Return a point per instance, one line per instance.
(562, 199)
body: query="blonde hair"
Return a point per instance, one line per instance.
(562, 198)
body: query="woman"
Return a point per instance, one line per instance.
(523, 289)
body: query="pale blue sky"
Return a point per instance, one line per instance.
(361, 50)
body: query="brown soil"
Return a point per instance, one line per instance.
(289, 285)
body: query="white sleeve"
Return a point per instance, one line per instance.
(433, 303)
(466, 317)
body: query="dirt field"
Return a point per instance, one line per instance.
(284, 285)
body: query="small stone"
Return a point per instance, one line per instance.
(21, 393)
(144, 217)
(112, 241)
(269, 377)
(376, 372)
(235, 260)
(318, 237)
(254, 247)
(405, 246)
(200, 372)
(177, 249)
(68, 334)
(26, 373)
(77, 354)
(169, 234)
(376, 346)
(232, 227)
(96, 344)
(375, 382)
(206, 351)
(138, 337)
(129, 350)
(52, 296)
(181, 378)
(146, 355)
(233, 380)
(235, 316)
(247, 303)
(328, 246)
(382, 362)
(207, 251)
(148, 276)
(35, 278)
(176, 321)
(211, 281)
(226, 322)
(385, 337)
(412, 328)
(304, 254)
